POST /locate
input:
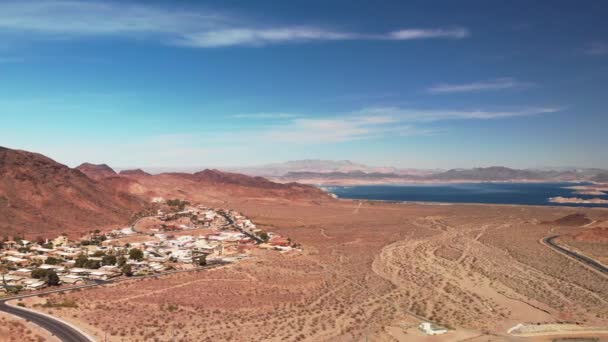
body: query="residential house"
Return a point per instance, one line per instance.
(431, 329)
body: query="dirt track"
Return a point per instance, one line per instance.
(367, 271)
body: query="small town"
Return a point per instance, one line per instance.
(177, 239)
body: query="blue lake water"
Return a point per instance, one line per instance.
(489, 193)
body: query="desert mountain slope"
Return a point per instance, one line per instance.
(96, 171)
(214, 186)
(136, 172)
(39, 196)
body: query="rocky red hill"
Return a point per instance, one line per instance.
(136, 172)
(572, 220)
(214, 186)
(597, 234)
(96, 171)
(39, 196)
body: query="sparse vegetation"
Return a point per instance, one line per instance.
(263, 235)
(108, 260)
(66, 303)
(127, 270)
(457, 266)
(49, 276)
(177, 203)
(53, 261)
(136, 254)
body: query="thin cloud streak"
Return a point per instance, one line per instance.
(262, 37)
(454, 33)
(378, 122)
(415, 115)
(77, 18)
(199, 28)
(495, 84)
(265, 116)
(335, 130)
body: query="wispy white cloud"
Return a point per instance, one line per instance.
(193, 27)
(415, 115)
(378, 122)
(265, 116)
(495, 84)
(454, 33)
(597, 49)
(336, 130)
(79, 18)
(260, 37)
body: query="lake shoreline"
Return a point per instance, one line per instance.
(497, 193)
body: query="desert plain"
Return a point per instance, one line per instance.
(369, 271)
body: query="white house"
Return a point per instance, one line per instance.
(79, 271)
(15, 260)
(57, 269)
(101, 275)
(430, 329)
(35, 285)
(71, 279)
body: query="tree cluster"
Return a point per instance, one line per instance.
(136, 254)
(49, 276)
(84, 262)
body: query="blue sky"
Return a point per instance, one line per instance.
(424, 84)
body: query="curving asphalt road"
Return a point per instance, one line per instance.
(64, 331)
(59, 329)
(581, 258)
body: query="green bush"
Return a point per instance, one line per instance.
(52, 261)
(136, 254)
(67, 303)
(121, 261)
(50, 276)
(108, 260)
(92, 264)
(127, 270)
(81, 261)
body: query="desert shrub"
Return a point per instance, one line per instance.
(52, 261)
(66, 303)
(127, 270)
(136, 254)
(108, 260)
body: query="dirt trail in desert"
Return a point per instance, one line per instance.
(371, 274)
(450, 275)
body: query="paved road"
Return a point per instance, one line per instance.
(249, 234)
(581, 258)
(61, 330)
(64, 331)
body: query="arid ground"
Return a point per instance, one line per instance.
(16, 329)
(369, 271)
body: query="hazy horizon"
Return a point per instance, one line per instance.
(154, 169)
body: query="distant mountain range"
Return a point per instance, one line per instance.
(326, 167)
(349, 173)
(39, 196)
